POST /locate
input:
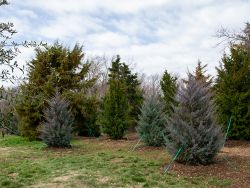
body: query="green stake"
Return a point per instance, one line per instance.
(176, 155)
(136, 144)
(228, 127)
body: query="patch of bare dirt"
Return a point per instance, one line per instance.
(233, 163)
(237, 148)
(48, 185)
(117, 160)
(149, 148)
(65, 178)
(59, 181)
(104, 179)
(109, 143)
(7, 151)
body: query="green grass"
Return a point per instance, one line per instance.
(89, 163)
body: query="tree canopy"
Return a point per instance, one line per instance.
(232, 87)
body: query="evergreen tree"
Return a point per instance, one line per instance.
(193, 125)
(54, 68)
(134, 94)
(132, 89)
(85, 110)
(200, 74)
(169, 88)
(115, 112)
(115, 115)
(29, 107)
(233, 88)
(57, 128)
(152, 121)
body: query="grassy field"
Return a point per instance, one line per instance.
(90, 163)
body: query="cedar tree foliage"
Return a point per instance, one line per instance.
(57, 127)
(232, 86)
(193, 125)
(122, 101)
(152, 121)
(56, 68)
(169, 88)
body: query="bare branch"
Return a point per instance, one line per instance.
(10, 49)
(242, 38)
(3, 2)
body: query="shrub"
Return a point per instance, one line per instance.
(29, 109)
(9, 123)
(57, 128)
(85, 111)
(8, 119)
(90, 126)
(152, 121)
(193, 125)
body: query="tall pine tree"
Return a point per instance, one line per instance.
(133, 91)
(115, 116)
(233, 87)
(193, 126)
(200, 73)
(169, 88)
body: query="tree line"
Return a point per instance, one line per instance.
(66, 94)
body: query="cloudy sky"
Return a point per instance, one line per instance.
(153, 34)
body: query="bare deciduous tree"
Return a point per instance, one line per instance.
(9, 49)
(235, 38)
(99, 69)
(150, 84)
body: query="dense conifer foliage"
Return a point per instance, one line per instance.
(193, 125)
(233, 87)
(57, 127)
(115, 115)
(132, 88)
(110, 99)
(200, 74)
(152, 121)
(56, 68)
(169, 88)
(122, 101)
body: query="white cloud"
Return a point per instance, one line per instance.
(108, 40)
(27, 13)
(78, 6)
(156, 34)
